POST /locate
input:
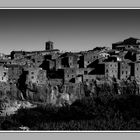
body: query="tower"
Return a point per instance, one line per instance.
(49, 45)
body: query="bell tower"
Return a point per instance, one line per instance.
(49, 45)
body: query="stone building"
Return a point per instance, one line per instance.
(111, 69)
(121, 62)
(69, 75)
(89, 57)
(135, 70)
(102, 70)
(48, 64)
(55, 77)
(37, 59)
(36, 75)
(130, 43)
(124, 70)
(97, 71)
(49, 45)
(93, 55)
(76, 75)
(80, 61)
(52, 55)
(3, 74)
(138, 57)
(67, 60)
(17, 54)
(14, 72)
(133, 55)
(92, 77)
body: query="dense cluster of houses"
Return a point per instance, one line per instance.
(122, 61)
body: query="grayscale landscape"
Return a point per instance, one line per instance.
(69, 69)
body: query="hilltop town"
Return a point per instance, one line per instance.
(96, 89)
(26, 73)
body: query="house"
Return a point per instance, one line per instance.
(135, 70)
(48, 64)
(17, 54)
(52, 55)
(94, 55)
(104, 69)
(89, 57)
(80, 61)
(69, 75)
(104, 54)
(36, 75)
(111, 69)
(67, 60)
(14, 72)
(3, 74)
(75, 75)
(81, 73)
(133, 55)
(124, 69)
(37, 59)
(130, 43)
(55, 77)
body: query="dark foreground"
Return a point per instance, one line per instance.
(112, 113)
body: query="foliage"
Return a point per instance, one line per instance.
(104, 110)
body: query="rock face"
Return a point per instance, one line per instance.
(55, 95)
(9, 107)
(47, 93)
(66, 94)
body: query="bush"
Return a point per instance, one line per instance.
(106, 111)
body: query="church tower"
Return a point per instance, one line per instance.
(49, 45)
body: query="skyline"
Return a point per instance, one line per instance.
(69, 29)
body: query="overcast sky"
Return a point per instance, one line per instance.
(69, 29)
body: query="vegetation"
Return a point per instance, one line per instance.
(104, 110)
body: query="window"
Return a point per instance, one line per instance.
(4, 73)
(32, 72)
(85, 72)
(32, 77)
(122, 72)
(126, 72)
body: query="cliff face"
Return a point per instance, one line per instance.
(47, 93)
(13, 98)
(55, 95)
(68, 92)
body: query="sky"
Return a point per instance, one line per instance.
(69, 29)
